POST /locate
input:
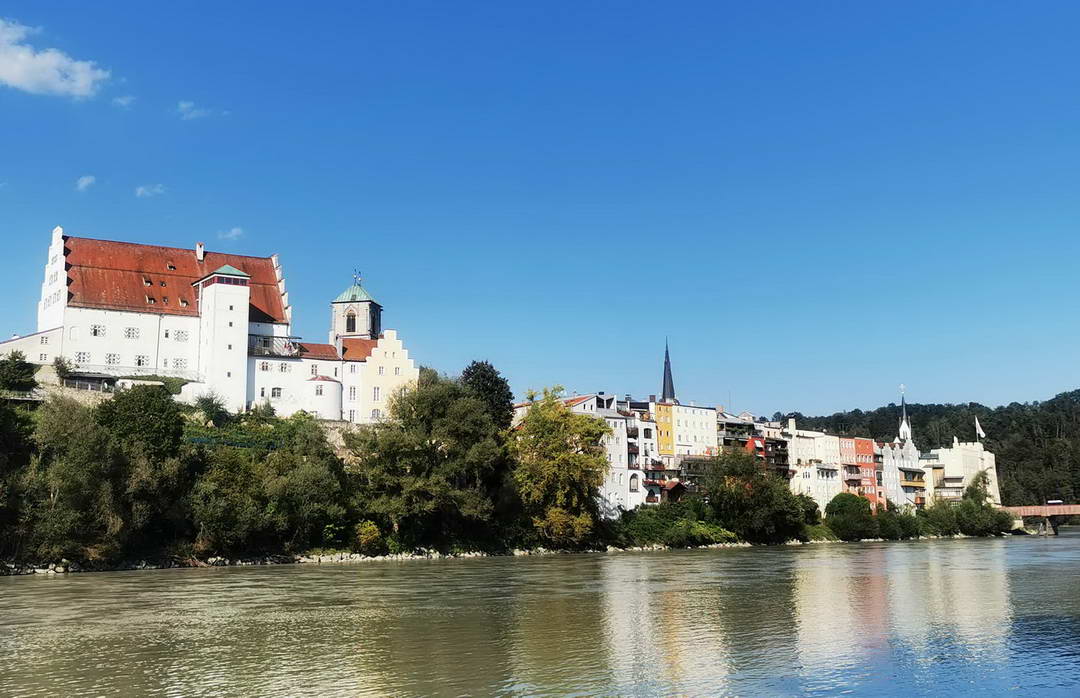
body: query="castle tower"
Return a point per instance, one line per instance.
(355, 314)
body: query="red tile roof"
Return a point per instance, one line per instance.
(113, 275)
(310, 350)
(357, 349)
(324, 378)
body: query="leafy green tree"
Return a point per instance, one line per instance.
(938, 519)
(16, 373)
(560, 467)
(229, 504)
(850, 517)
(146, 415)
(810, 509)
(754, 504)
(74, 489)
(304, 486)
(15, 454)
(63, 367)
(494, 390)
(431, 469)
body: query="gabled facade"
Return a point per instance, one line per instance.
(221, 322)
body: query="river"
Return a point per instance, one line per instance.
(961, 617)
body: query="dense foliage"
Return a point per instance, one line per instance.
(560, 467)
(850, 517)
(755, 504)
(1037, 444)
(485, 381)
(16, 373)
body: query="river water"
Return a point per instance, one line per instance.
(959, 617)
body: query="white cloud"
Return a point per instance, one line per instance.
(124, 102)
(231, 233)
(147, 190)
(188, 111)
(45, 72)
(83, 183)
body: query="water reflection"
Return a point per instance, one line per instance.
(967, 616)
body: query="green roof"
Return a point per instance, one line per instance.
(354, 293)
(230, 270)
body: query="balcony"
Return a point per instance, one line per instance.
(921, 484)
(631, 432)
(262, 345)
(632, 449)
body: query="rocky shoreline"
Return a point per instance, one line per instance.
(73, 567)
(69, 567)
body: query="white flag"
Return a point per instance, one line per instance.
(978, 430)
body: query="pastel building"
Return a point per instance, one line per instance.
(221, 322)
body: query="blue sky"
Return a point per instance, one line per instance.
(816, 202)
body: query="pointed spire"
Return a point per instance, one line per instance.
(668, 392)
(905, 425)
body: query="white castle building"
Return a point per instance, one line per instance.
(222, 322)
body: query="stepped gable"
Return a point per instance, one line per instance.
(113, 276)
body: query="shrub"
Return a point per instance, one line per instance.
(938, 519)
(850, 518)
(819, 532)
(367, 539)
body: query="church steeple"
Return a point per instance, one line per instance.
(668, 392)
(905, 425)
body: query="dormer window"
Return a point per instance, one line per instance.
(146, 282)
(183, 303)
(170, 266)
(165, 300)
(163, 284)
(150, 301)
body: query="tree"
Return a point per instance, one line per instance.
(810, 509)
(74, 489)
(850, 517)
(144, 414)
(63, 367)
(15, 453)
(16, 373)
(494, 390)
(754, 504)
(560, 467)
(430, 470)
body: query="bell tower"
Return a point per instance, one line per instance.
(355, 314)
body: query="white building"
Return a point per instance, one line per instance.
(814, 460)
(954, 468)
(221, 322)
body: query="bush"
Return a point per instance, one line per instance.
(368, 539)
(676, 525)
(938, 519)
(850, 518)
(819, 532)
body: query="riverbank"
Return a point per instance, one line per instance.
(341, 558)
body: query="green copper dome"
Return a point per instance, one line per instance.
(354, 293)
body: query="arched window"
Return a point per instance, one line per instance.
(350, 322)
(634, 483)
(376, 414)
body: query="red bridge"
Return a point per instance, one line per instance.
(1045, 510)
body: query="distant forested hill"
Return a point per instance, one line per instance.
(1037, 444)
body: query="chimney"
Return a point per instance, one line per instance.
(200, 251)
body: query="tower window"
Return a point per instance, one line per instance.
(350, 322)
(318, 390)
